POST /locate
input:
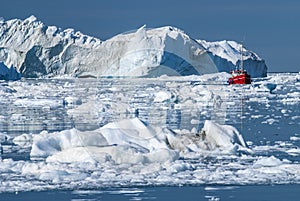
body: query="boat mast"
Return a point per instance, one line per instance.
(242, 63)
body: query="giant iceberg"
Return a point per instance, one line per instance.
(37, 50)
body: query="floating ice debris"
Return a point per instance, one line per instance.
(295, 138)
(131, 141)
(271, 161)
(221, 136)
(162, 96)
(119, 154)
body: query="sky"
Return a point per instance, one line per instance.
(270, 28)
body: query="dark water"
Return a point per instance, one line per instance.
(184, 193)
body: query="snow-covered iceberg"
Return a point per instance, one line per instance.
(37, 50)
(131, 141)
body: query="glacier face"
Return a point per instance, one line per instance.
(37, 50)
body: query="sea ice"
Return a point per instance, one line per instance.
(267, 162)
(162, 96)
(132, 151)
(295, 138)
(222, 136)
(131, 141)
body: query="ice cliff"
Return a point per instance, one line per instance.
(37, 50)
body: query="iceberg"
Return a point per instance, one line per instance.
(37, 50)
(230, 51)
(131, 141)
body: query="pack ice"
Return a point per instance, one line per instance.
(131, 141)
(37, 50)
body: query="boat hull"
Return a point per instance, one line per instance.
(243, 78)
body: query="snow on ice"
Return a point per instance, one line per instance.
(37, 50)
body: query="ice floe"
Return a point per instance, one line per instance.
(131, 141)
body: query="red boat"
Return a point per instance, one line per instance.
(240, 76)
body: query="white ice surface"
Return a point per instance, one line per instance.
(222, 136)
(131, 141)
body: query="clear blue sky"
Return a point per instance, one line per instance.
(271, 28)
